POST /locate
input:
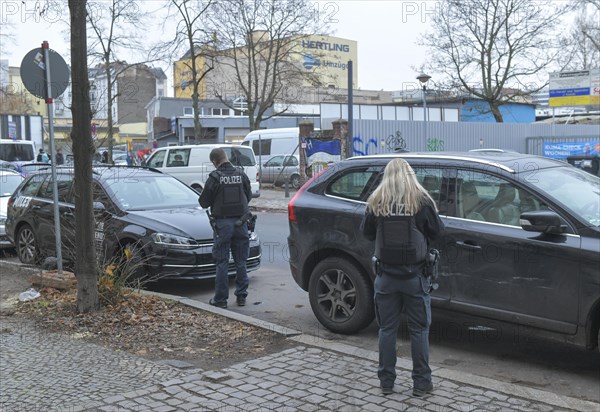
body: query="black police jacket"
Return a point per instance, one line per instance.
(427, 221)
(227, 192)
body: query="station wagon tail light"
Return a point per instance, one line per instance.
(291, 210)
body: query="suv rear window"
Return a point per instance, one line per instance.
(355, 184)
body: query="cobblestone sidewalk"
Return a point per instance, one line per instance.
(42, 371)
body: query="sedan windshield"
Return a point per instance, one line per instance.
(579, 191)
(151, 192)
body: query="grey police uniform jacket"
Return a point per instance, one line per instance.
(227, 192)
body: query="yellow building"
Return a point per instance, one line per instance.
(328, 57)
(325, 58)
(182, 77)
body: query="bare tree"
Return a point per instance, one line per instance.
(15, 103)
(259, 52)
(195, 43)
(582, 43)
(495, 50)
(85, 264)
(115, 29)
(590, 23)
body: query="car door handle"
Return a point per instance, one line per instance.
(468, 245)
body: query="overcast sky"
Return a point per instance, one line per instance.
(386, 32)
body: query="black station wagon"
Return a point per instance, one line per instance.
(152, 214)
(522, 241)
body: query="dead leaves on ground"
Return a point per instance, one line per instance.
(150, 326)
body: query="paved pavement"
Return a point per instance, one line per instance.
(272, 199)
(43, 371)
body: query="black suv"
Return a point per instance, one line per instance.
(521, 245)
(151, 214)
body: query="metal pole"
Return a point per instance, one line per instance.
(350, 111)
(49, 102)
(424, 113)
(260, 162)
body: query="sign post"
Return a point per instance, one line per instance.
(46, 75)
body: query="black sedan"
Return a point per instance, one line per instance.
(522, 241)
(151, 218)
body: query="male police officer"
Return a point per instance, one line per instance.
(227, 192)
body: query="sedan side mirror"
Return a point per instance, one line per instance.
(545, 221)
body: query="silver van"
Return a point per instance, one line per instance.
(191, 163)
(272, 142)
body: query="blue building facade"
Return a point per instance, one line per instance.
(475, 110)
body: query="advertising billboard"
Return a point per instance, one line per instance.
(562, 150)
(577, 88)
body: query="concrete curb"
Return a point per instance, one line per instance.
(531, 394)
(271, 327)
(535, 395)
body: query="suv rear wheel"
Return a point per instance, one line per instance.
(341, 297)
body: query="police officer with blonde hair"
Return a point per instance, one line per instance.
(227, 192)
(402, 219)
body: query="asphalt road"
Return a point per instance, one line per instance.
(488, 349)
(491, 350)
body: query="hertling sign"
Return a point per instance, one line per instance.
(579, 88)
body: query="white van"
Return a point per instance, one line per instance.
(272, 142)
(17, 151)
(191, 163)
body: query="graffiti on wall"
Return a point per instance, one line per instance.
(395, 142)
(435, 145)
(364, 146)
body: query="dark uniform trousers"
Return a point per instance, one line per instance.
(394, 295)
(235, 239)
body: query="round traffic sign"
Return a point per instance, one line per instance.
(33, 73)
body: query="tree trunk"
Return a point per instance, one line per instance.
(83, 148)
(496, 112)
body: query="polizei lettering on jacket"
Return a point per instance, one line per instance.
(230, 180)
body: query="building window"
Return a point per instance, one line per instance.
(219, 112)
(188, 111)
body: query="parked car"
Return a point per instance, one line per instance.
(267, 143)
(30, 168)
(280, 169)
(8, 166)
(152, 214)
(521, 244)
(9, 181)
(191, 163)
(17, 151)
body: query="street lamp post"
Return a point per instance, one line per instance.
(424, 78)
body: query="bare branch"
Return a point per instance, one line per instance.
(258, 44)
(494, 50)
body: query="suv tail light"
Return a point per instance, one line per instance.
(291, 210)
